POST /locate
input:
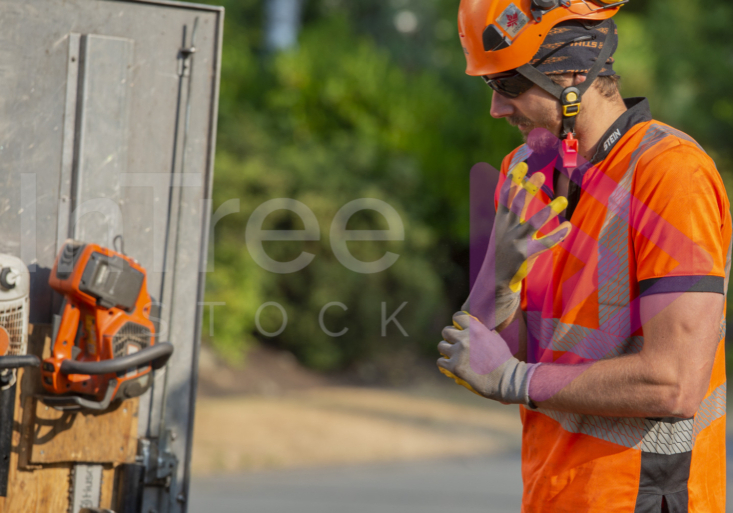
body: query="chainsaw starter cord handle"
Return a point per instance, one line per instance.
(17, 361)
(157, 356)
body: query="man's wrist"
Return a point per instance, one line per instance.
(505, 306)
(530, 372)
(506, 303)
(513, 385)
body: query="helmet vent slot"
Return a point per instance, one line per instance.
(494, 40)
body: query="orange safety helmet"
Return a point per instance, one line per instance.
(502, 35)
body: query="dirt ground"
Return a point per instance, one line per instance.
(274, 414)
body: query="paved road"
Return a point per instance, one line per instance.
(456, 486)
(488, 485)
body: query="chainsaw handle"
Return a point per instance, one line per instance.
(17, 361)
(157, 356)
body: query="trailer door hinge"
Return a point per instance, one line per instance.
(161, 465)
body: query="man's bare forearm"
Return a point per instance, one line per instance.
(669, 377)
(614, 387)
(621, 386)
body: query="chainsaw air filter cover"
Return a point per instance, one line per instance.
(130, 338)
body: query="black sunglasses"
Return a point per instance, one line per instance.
(510, 86)
(515, 84)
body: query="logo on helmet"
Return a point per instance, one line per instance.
(512, 20)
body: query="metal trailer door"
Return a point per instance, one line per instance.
(107, 127)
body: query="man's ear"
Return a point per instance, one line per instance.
(579, 79)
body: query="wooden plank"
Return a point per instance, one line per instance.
(22, 493)
(52, 489)
(108, 486)
(107, 437)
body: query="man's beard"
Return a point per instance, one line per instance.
(540, 137)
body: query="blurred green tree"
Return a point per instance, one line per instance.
(374, 102)
(333, 120)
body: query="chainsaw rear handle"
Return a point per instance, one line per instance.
(17, 361)
(157, 356)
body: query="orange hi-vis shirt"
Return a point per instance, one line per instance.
(649, 216)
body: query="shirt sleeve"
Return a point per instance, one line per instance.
(680, 220)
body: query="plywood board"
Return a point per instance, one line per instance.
(107, 437)
(52, 490)
(22, 491)
(108, 487)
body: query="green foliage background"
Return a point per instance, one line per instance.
(360, 110)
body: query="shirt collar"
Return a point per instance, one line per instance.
(638, 112)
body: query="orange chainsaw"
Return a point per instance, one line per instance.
(104, 343)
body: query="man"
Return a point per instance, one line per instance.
(606, 274)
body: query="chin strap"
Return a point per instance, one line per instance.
(570, 98)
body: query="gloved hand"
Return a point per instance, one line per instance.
(478, 358)
(513, 247)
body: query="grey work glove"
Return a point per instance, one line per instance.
(478, 358)
(513, 247)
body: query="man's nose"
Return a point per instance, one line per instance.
(501, 106)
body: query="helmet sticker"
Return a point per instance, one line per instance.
(512, 20)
